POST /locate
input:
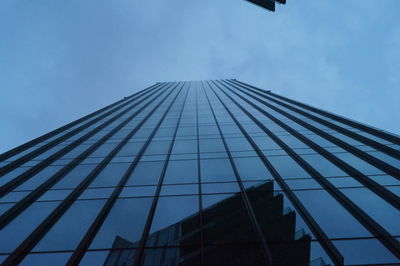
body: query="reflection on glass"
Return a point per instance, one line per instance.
(229, 234)
(46, 259)
(126, 219)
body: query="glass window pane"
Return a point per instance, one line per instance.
(158, 147)
(224, 214)
(364, 251)
(323, 166)
(184, 171)
(326, 209)
(226, 187)
(130, 149)
(73, 178)
(252, 169)
(379, 210)
(107, 258)
(46, 259)
(216, 170)
(146, 173)
(144, 191)
(234, 255)
(39, 178)
(14, 196)
(179, 189)
(24, 224)
(185, 146)
(110, 175)
(69, 228)
(293, 142)
(359, 164)
(287, 167)
(211, 145)
(126, 220)
(175, 222)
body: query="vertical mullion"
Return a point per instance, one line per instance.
(18, 162)
(323, 239)
(379, 146)
(378, 133)
(6, 188)
(249, 208)
(97, 223)
(26, 246)
(35, 141)
(199, 178)
(375, 187)
(24, 203)
(371, 225)
(139, 256)
(385, 167)
(94, 228)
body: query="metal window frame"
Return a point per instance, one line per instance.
(256, 226)
(387, 168)
(4, 156)
(26, 246)
(101, 217)
(6, 188)
(371, 225)
(138, 260)
(325, 242)
(202, 256)
(24, 203)
(373, 131)
(375, 187)
(18, 162)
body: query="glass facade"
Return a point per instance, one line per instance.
(203, 173)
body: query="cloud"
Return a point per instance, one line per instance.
(61, 60)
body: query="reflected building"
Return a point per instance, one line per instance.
(227, 226)
(203, 173)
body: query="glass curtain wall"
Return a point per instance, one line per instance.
(203, 173)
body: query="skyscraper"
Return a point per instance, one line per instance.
(203, 173)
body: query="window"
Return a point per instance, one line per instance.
(211, 145)
(146, 173)
(39, 178)
(216, 170)
(252, 169)
(364, 251)
(70, 229)
(184, 171)
(323, 166)
(171, 214)
(287, 167)
(185, 146)
(326, 209)
(126, 220)
(24, 224)
(110, 175)
(73, 178)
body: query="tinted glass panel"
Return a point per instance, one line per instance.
(183, 171)
(126, 220)
(146, 173)
(216, 170)
(69, 228)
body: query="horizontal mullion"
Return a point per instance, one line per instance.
(9, 167)
(42, 138)
(373, 131)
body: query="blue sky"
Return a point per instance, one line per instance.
(60, 60)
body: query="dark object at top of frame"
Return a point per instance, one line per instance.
(268, 4)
